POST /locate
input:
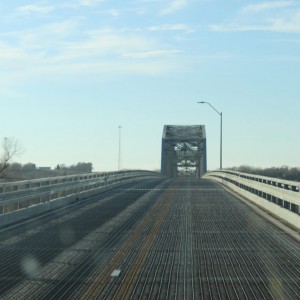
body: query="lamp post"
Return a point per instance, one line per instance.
(220, 113)
(120, 154)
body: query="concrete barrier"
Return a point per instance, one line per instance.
(280, 197)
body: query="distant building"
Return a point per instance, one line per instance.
(29, 167)
(44, 168)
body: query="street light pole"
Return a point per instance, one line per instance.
(120, 154)
(221, 119)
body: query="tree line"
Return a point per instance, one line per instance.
(79, 167)
(12, 148)
(283, 172)
(29, 167)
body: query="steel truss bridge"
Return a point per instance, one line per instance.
(183, 151)
(142, 235)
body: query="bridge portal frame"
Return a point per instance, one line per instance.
(183, 151)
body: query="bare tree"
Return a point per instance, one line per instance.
(11, 147)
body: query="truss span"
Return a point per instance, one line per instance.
(183, 151)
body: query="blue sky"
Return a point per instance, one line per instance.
(72, 71)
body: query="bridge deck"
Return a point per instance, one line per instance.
(177, 239)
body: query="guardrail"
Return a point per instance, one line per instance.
(281, 197)
(23, 199)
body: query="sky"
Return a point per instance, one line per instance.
(73, 71)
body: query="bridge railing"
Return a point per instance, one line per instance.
(281, 197)
(48, 193)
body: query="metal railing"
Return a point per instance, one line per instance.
(27, 193)
(281, 197)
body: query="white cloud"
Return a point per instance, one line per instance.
(9, 53)
(286, 24)
(105, 43)
(29, 9)
(280, 24)
(114, 13)
(50, 50)
(266, 6)
(151, 54)
(89, 2)
(172, 27)
(174, 6)
(267, 16)
(9, 93)
(44, 37)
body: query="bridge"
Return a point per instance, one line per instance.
(144, 235)
(183, 151)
